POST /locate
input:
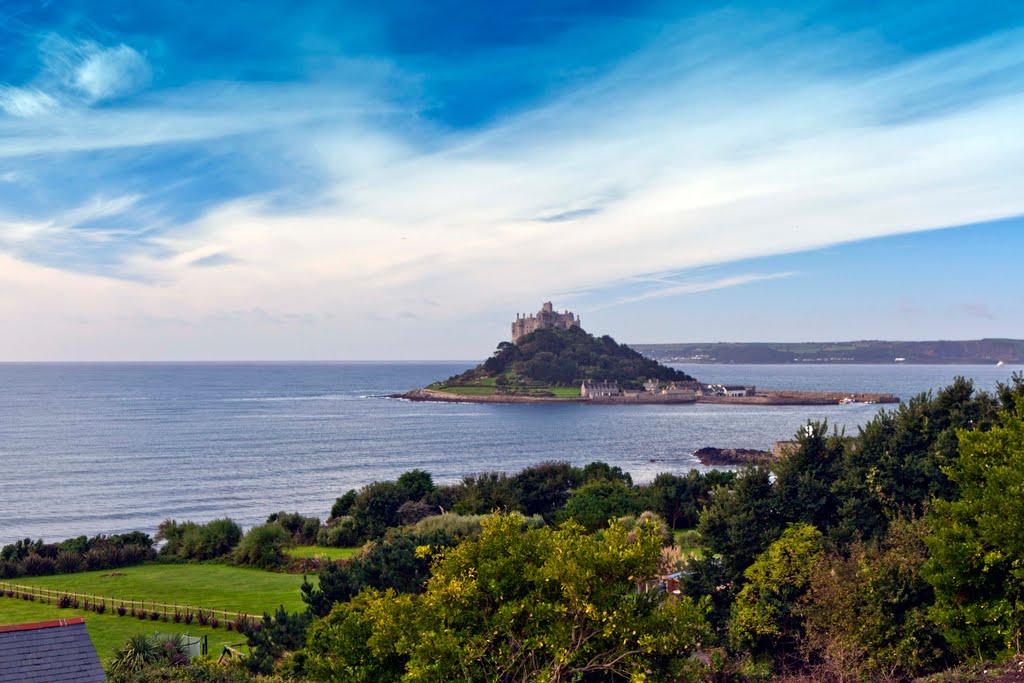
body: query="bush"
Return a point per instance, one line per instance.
(8, 569)
(69, 563)
(342, 532)
(121, 611)
(63, 602)
(413, 511)
(263, 546)
(343, 504)
(99, 608)
(36, 565)
(594, 503)
(452, 525)
(191, 541)
(303, 530)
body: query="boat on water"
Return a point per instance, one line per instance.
(1000, 364)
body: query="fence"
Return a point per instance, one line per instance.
(131, 606)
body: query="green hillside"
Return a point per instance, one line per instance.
(553, 362)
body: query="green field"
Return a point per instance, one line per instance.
(304, 551)
(213, 586)
(107, 630)
(471, 391)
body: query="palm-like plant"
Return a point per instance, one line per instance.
(138, 652)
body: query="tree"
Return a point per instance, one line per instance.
(804, 478)
(740, 522)
(594, 503)
(866, 612)
(765, 617)
(416, 484)
(375, 507)
(544, 488)
(977, 547)
(514, 604)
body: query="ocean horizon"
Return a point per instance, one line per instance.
(107, 447)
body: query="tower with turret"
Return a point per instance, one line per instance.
(546, 317)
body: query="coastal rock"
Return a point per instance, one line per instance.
(731, 456)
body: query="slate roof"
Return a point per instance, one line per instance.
(58, 651)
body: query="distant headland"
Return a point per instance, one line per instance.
(552, 359)
(966, 352)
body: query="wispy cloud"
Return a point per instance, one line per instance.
(104, 73)
(695, 286)
(728, 138)
(26, 102)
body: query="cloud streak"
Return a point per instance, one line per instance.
(715, 144)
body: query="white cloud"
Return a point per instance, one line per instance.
(671, 162)
(26, 102)
(105, 73)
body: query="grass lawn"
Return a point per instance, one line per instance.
(214, 586)
(471, 391)
(316, 551)
(107, 630)
(565, 392)
(689, 542)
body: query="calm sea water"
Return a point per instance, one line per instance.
(103, 448)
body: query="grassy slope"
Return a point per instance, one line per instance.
(205, 585)
(316, 551)
(106, 630)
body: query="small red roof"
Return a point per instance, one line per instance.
(42, 624)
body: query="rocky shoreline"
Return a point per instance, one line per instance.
(731, 456)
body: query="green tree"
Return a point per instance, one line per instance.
(977, 548)
(594, 503)
(741, 521)
(765, 618)
(804, 478)
(519, 604)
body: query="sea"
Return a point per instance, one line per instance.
(90, 448)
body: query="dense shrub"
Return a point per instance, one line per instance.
(69, 562)
(375, 508)
(598, 501)
(416, 484)
(452, 525)
(343, 504)
(302, 529)
(37, 565)
(192, 541)
(413, 511)
(341, 532)
(263, 546)
(8, 569)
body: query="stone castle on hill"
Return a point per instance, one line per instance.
(546, 317)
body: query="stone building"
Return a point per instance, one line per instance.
(546, 317)
(595, 389)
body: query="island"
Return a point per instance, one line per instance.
(552, 359)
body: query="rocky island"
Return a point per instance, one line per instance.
(554, 360)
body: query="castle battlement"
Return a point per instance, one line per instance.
(546, 317)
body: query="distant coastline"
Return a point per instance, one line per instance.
(863, 352)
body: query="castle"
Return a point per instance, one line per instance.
(546, 317)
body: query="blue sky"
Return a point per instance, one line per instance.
(397, 179)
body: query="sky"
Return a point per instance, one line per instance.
(397, 179)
